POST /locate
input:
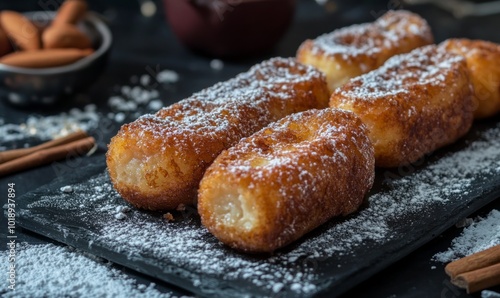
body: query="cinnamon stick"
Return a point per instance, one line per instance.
(16, 153)
(479, 279)
(47, 155)
(475, 261)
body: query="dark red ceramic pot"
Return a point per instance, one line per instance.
(229, 28)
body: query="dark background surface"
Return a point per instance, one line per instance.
(142, 43)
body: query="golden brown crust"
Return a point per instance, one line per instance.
(483, 61)
(158, 161)
(287, 179)
(352, 51)
(414, 104)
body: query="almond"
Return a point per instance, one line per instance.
(5, 46)
(70, 12)
(21, 30)
(65, 36)
(45, 58)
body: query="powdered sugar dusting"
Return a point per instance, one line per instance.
(388, 33)
(48, 270)
(292, 153)
(215, 109)
(482, 234)
(50, 127)
(185, 244)
(424, 66)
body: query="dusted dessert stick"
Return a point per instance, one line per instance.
(157, 161)
(351, 51)
(287, 179)
(483, 61)
(414, 104)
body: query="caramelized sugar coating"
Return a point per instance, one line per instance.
(287, 179)
(414, 104)
(158, 161)
(351, 51)
(483, 61)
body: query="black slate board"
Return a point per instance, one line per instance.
(407, 207)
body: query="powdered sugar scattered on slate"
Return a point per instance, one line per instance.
(482, 234)
(185, 244)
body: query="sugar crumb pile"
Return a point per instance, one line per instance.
(489, 294)
(47, 270)
(482, 234)
(50, 127)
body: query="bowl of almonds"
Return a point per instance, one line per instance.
(47, 56)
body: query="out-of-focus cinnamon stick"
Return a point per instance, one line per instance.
(48, 155)
(16, 153)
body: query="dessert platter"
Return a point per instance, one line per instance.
(299, 177)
